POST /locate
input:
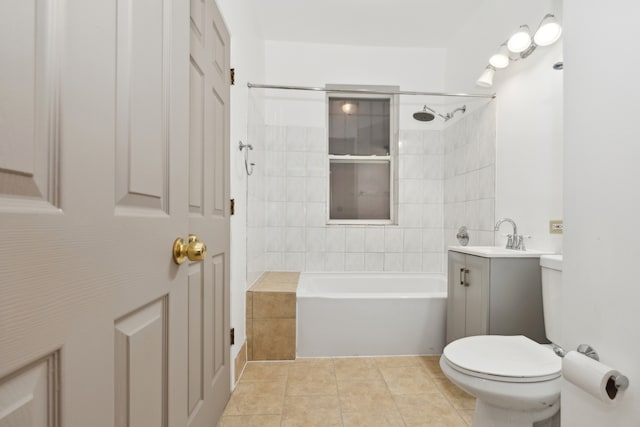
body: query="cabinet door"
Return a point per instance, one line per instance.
(456, 297)
(477, 308)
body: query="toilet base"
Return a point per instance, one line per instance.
(493, 416)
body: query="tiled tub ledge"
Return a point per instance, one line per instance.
(271, 317)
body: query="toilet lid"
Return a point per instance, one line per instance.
(503, 358)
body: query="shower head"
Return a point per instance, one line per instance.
(449, 116)
(424, 115)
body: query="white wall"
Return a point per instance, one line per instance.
(529, 116)
(247, 57)
(601, 295)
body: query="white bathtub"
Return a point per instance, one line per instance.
(370, 314)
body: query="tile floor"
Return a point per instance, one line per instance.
(403, 391)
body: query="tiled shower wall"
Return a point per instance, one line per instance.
(469, 177)
(443, 181)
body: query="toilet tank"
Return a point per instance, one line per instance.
(551, 266)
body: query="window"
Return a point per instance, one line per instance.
(361, 153)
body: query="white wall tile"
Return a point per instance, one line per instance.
(432, 215)
(433, 166)
(314, 261)
(472, 185)
(410, 215)
(295, 216)
(412, 241)
(274, 261)
(412, 262)
(374, 239)
(316, 164)
(294, 261)
(274, 239)
(374, 262)
(472, 159)
(486, 209)
(393, 262)
(316, 215)
(411, 190)
(276, 214)
(487, 182)
(410, 142)
(274, 163)
(393, 239)
(432, 240)
(459, 160)
(316, 140)
(294, 239)
(432, 262)
(459, 190)
(433, 142)
(334, 261)
(295, 163)
(410, 166)
(296, 189)
(275, 138)
(315, 239)
(354, 239)
(354, 262)
(295, 138)
(433, 191)
(316, 189)
(335, 239)
(275, 189)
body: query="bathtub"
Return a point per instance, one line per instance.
(370, 314)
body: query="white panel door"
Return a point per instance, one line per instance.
(209, 355)
(95, 318)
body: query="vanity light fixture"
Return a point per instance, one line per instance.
(348, 107)
(520, 45)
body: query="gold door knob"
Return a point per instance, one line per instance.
(195, 250)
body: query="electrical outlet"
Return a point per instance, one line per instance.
(556, 226)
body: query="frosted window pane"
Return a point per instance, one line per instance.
(359, 190)
(363, 130)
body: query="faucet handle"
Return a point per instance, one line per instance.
(520, 242)
(510, 240)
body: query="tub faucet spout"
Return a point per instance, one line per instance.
(512, 242)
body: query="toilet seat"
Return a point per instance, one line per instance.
(516, 359)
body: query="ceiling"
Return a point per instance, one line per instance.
(407, 23)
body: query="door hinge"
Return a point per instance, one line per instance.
(233, 336)
(232, 205)
(233, 76)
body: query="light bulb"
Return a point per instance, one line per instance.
(520, 40)
(548, 32)
(501, 58)
(486, 79)
(348, 107)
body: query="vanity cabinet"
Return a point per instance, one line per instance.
(494, 296)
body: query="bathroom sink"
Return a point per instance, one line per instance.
(498, 252)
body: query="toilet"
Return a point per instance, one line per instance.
(515, 380)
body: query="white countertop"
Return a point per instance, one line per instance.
(498, 252)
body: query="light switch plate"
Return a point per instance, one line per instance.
(556, 226)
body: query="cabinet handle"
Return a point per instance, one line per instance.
(462, 276)
(464, 281)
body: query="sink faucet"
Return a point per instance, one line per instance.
(514, 241)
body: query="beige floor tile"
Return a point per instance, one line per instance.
(315, 386)
(254, 404)
(311, 371)
(459, 398)
(356, 369)
(397, 361)
(265, 371)
(432, 410)
(372, 419)
(466, 415)
(432, 365)
(250, 421)
(365, 396)
(298, 405)
(408, 380)
(276, 387)
(312, 420)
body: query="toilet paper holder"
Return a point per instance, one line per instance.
(620, 382)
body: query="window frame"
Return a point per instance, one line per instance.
(391, 158)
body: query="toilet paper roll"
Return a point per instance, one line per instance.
(594, 377)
